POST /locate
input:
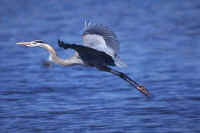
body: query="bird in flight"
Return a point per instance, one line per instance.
(100, 50)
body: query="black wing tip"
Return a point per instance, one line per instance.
(61, 43)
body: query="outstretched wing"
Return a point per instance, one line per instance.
(100, 38)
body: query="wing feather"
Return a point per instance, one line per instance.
(101, 38)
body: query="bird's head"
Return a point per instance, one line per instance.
(36, 43)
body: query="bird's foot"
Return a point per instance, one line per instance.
(143, 90)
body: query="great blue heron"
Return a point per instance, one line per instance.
(100, 50)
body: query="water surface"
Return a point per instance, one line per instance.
(159, 42)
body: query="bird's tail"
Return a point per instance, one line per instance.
(119, 62)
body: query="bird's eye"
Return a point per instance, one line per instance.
(39, 41)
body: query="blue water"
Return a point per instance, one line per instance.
(159, 42)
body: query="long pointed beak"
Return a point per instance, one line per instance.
(24, 43)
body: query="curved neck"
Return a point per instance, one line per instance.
(57, 60)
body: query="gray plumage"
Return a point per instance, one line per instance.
(101, 30)
(101, 38)
(100, 50)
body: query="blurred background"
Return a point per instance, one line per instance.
(159, 42)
